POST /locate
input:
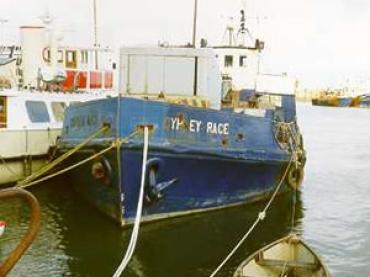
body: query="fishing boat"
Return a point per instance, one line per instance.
(332, 99)
(362, 101)
(212, 145)
(289, 256)
(38, 80)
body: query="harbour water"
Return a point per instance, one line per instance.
(332, 213)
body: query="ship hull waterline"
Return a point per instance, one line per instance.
(198, 159)
(201, 184)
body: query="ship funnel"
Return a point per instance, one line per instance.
(33, 42)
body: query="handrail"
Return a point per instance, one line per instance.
(34, 226)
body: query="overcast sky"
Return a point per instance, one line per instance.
(321, 42)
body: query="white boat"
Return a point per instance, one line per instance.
(239, 58)
(287, 257)
(38, 80)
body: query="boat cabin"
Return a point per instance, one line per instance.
(181, 75)
(239, 64)
(34, 110)
(80, 70)
(197, 77)
(41, 64)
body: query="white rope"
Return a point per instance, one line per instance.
(135, 230)
(261, 216)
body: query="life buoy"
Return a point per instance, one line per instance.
(295, 176)
(101, 170)
(46, 54)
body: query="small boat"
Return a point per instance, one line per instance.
(362, 101)
(289, 256)
(331, 99)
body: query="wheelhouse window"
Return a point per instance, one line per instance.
(71, 61)
(37, 112)
(84, 57)
(3, 117)
(228, 61)
(60, 56)
(58, 110)
(243, 61)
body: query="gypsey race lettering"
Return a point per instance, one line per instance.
(196, 126)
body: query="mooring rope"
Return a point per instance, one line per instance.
(294, 198)
(114, 144)
(135, 231)
(261, 216)
(60, 159)
(69, 168)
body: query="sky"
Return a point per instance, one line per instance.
(322, 43)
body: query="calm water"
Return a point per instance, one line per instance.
(332, 213)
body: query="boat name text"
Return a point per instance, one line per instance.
(195, 126)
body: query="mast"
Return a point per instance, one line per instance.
(195, 22)
(95, 36)
(195, 84)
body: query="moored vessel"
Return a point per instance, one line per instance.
(362, 101)
(211, 145)
(289, 256)
(38, 80)
(332, 99)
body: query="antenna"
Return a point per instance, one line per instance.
(243, 30)
(47, 18)
(229, 34)
(195, 22)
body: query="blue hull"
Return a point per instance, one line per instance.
(193, 168)
(365, 101)
(200, 182)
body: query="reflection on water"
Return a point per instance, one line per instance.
(75, 240)
(332, 213)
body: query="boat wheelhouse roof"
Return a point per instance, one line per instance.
(167, 51)
(99, 49)
(234, 47)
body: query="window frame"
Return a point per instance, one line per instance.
(33, 113)
(228, 61)
(56, 113)
(243, 61)
(3, 112)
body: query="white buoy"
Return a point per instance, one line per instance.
(2, 227)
